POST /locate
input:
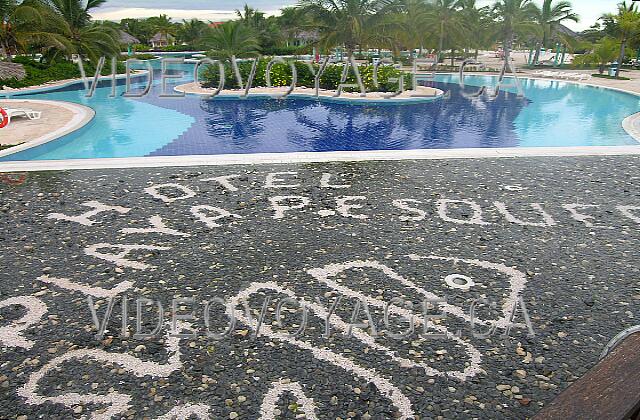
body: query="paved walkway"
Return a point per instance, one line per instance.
(559, 235)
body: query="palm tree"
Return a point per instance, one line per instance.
(232, 39)
(348, 23)
(477, 21)
(444, 16)
(266, 29)
(515, 17)
(162, 24)
(27, 26)
(628, 27)
(290, 22)
(72, 20)
(8, 37)
(603, 53)
(139, 28)
(405, 28)
(550, 17)
(191, 31)
(251, 17)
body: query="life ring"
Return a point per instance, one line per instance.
(5, 118)
(13, 179)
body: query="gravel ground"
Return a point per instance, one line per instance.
(373, 232)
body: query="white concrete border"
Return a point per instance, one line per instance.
(340, 156)
(308, 157)
(82, 115)
(424, 94)
(631, 125)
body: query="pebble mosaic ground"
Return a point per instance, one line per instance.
(556, 236)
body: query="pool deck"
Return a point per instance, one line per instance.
(57, 117)
(631, 86)
(57, 120)
(557, 234)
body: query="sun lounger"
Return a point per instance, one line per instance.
(29, 113)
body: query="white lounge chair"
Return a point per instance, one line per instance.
(22, 112)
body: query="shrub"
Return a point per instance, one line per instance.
(177, 48)
(40, 73)
(281, 76)
(140, 48)
(137, 57)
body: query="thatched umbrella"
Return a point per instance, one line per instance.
(12, 71)
(128, 39)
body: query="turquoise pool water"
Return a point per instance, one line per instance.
(551, 114)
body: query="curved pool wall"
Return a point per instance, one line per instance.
(552, 113)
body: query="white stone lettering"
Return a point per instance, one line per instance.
(402, 204)
(325, 182)
(224, 181)
(115, 402)
(574, 209)
(517, 282)
(154, 191)
(118, 259)
(273, 179)
(85, 218)
(157, 226)
(11, 335)
(326, 274)
(547, 220)
(98, 292)
(187, 412)
(384, 386)
(628, 212)
(200, 212)
(270, 400)
(280, 209)
(476, 219)
(344, 209)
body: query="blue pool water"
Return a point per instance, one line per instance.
(551, 114)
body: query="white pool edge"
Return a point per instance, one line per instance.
(631, 125)
(311, 157)
(315, 157)
(82, 115)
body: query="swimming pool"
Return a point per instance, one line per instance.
(552, 113)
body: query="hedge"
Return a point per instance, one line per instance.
(41, 73)
(137, 57)
(281, 76)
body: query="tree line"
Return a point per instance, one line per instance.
(63, 28)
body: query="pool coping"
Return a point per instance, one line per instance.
(628, 125)
(315, 157)
(406, 97)
(631, 125)
(82, 115)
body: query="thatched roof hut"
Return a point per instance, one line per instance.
(128, 39)
(11, 71)
(162, 40)
(566, 31)
(308, 36)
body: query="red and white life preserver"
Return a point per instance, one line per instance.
(5, 118)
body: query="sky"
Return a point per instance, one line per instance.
(589, 10)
